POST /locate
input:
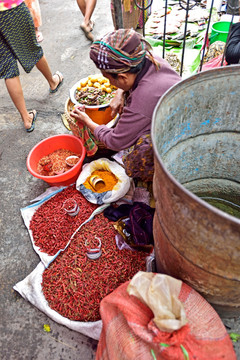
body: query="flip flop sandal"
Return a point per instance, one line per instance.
(59, 84)
(33, 122)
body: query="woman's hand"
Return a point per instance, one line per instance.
(79, 114)
(117, 103)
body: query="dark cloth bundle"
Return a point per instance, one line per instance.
(138, 220)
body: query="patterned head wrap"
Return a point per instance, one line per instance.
(120, 50)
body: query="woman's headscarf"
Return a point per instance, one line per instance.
(120, 50)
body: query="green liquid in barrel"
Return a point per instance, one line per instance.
(224, 205)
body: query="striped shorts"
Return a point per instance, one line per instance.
(17, 42)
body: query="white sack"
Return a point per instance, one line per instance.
(119, 190)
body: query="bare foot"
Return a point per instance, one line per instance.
(87, 31)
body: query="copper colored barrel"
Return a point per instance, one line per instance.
(196, 141)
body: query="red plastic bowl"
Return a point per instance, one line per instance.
(47, 146)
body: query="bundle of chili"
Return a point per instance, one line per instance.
(50, 225)
(74, 285)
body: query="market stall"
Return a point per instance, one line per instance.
(177, 33)
(189, 34)
(93, 236)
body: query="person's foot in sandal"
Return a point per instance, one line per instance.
(29, 123)
(58, 81)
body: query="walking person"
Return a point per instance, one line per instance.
(18, 43)
(87, 8)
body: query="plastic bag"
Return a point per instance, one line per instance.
(214, 63)
(118, 191)
(160, 293)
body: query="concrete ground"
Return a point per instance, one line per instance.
(21, 326)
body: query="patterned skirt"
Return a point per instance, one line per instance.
(138, 161)
(17, 42)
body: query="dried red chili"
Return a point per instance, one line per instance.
(55, 162)
(50, 225)
(74, 285)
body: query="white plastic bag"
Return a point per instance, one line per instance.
(31, 289)
(119, 190)
(160, 293)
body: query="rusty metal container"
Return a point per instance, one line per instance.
(196, 141)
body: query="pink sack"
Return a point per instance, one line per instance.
(129, 332)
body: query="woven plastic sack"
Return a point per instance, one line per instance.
(118, 191)
(130, 333)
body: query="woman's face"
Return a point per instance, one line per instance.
(123, 81)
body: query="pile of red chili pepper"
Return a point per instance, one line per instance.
(74, 285)
(52, 227)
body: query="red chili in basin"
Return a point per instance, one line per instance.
(55, 162)
(74, 285)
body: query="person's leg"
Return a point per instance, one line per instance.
(82, 6)
(90, 6)
(44, 68)
(87, 7)
(14, 88)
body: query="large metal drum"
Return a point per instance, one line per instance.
(196, 141)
